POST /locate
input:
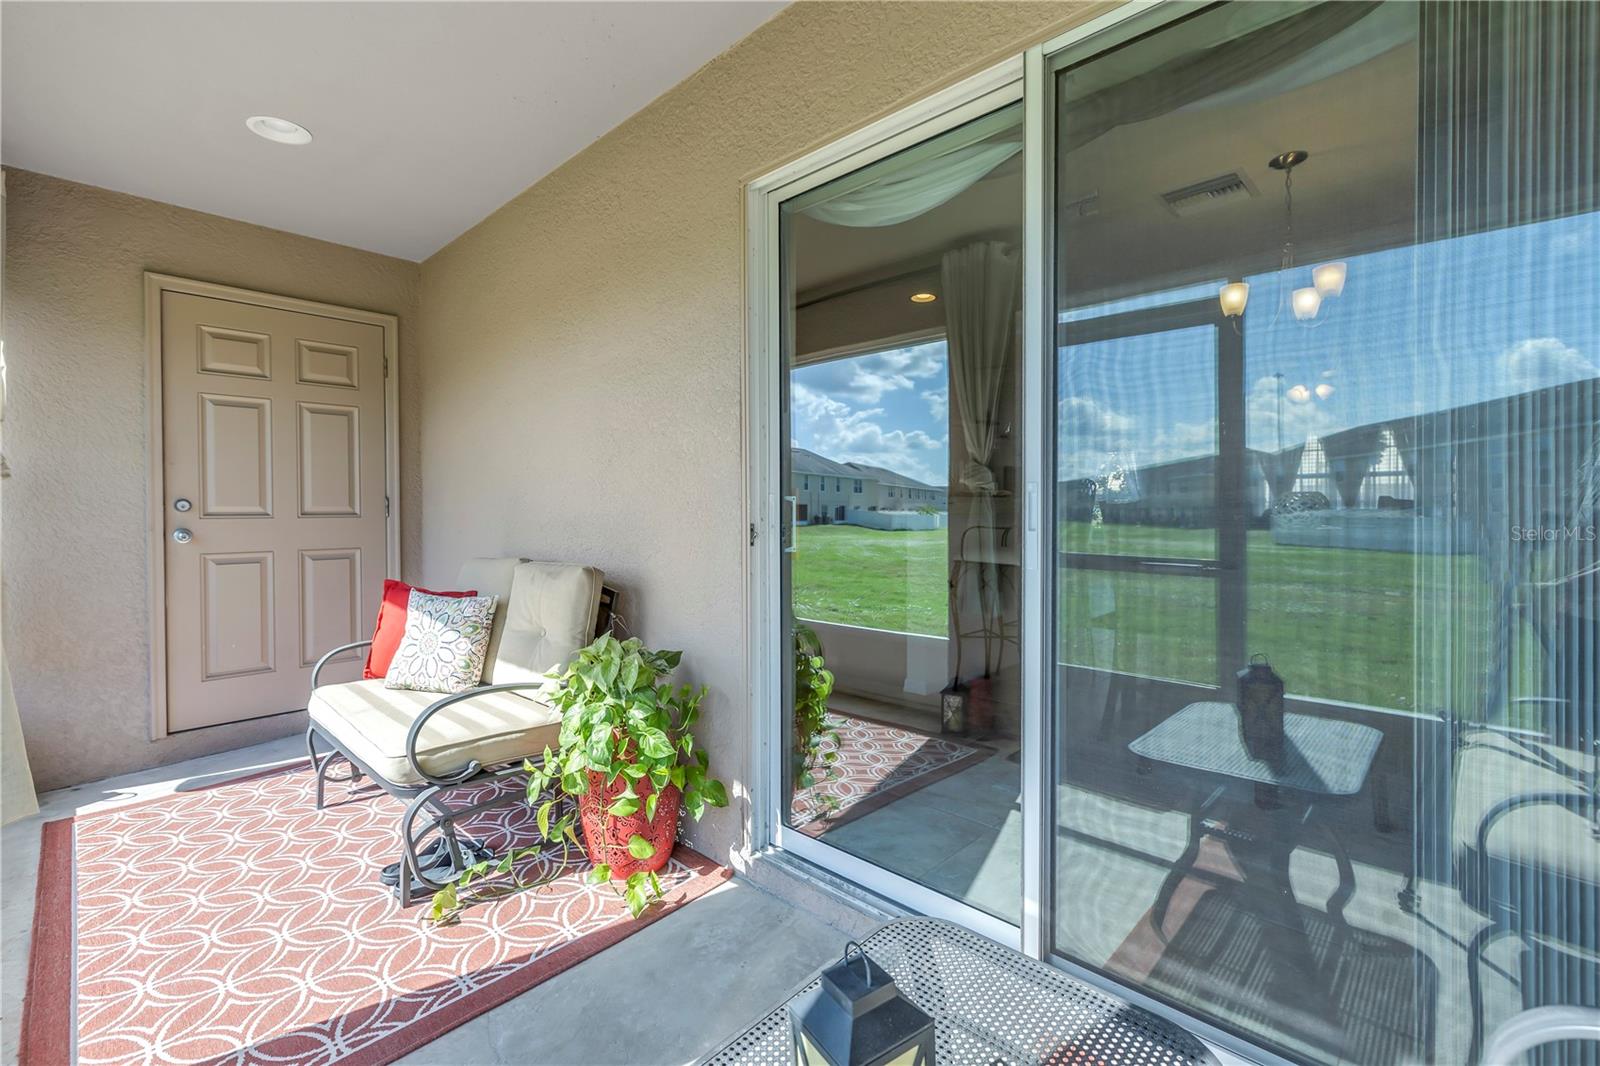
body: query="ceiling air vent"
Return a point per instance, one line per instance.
(1082, 207)
(1206, 195)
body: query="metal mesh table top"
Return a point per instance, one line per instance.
(991, 1005)
(1323, 756)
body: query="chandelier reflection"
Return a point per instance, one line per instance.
(1327, 279)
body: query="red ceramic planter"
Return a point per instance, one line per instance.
(606, 836)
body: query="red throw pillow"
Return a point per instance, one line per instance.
(392, 624)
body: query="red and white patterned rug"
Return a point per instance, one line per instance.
(877, 764)
(238, 924)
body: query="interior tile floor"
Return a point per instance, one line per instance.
(739, 948)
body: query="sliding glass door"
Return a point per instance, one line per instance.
(1327, 469)
(903, 284)
(1179, 484)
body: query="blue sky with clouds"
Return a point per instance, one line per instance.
(888, 409)
(1416, 329)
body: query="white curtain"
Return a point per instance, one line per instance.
(1280, 469)
(982, 289)
(982, 294)
(895, 199)
(1428, 466)
(1218, 68)
(1351, 455)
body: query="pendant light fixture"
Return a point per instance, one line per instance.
(1327, 280)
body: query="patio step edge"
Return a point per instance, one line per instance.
(846, 906)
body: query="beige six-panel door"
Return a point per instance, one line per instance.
(274, 481)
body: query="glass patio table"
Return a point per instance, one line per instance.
(989, 1004)
(1325, 761)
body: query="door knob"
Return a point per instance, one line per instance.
(182, 536)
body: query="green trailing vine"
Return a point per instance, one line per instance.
(621, 718)
(813, 684)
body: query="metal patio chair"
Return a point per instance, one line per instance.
(424, 748)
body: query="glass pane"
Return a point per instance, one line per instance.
(1331, 784)
(1136, 440)
(1149, 625)
(903, 465)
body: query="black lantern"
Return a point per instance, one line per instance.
(953, 708)
(1261, 711)
(859, 1018)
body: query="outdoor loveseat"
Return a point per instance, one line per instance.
(422, 746)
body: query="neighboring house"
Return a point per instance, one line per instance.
(825, 490)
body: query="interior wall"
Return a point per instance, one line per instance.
(584, 379)
(75, 545)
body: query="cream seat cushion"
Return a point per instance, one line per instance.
(491, 577)
(550, 615)
(371, 723)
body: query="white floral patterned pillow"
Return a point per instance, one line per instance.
(444, 645)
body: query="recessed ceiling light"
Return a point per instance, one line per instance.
(923, 297)
(278, 129)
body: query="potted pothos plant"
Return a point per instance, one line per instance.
(813, 684)
(628, 756)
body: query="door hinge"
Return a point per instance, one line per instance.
(386, 366)
(386, 507)
(752, 534)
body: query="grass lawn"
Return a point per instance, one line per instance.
(881, 579)
(1336, 623)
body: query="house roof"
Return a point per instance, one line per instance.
(890, 477)
(809, 462)
(804, 461)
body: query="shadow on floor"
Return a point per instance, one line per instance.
(1347, 993)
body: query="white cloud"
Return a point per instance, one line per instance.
(865, 379)
(1540, 362)
(811, 405)
(1184, 439)
(839, 407)
(1080, 413)
(1094, 437)
(856, 438)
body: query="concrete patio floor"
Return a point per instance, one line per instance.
(735, 952)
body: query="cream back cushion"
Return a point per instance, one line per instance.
(550, 615)
(491, 577)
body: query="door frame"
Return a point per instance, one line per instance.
(988, 90)
(155, 284)
(1024, 77)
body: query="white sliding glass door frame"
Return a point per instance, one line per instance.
(976, 96)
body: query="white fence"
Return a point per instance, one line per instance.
(860, 516)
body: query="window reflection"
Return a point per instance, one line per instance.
(902, 469)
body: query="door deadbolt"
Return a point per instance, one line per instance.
(182, 536)
(181, 504)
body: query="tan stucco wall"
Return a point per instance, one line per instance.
(582, 391)
(75, 543)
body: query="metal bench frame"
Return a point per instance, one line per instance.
(430, 797)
